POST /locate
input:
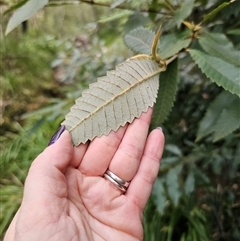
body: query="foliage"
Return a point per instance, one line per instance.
(196, 195)
(111, 101)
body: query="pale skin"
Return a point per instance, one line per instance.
(66, 197)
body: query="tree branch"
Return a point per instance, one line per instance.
(102, 4)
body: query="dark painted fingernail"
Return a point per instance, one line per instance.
(159, 128)
(56, 135)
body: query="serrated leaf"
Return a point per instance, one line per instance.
(172, 44)
(24, 13)
(221, 102)
(227, 54)
(221, 39)
(184, 11)
(218, 70)
(114, 100)
(228, 121)
(215, 11)
(166, 94)
(140, 40)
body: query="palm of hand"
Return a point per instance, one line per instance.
(69, 199)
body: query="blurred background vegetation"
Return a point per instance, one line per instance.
(49, 60)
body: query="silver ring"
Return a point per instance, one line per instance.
(117, 181)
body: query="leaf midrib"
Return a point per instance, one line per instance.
(118, 95)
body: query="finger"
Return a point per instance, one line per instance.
(100, 152)
(126, 161)
(78, 154)
(141, 185)
(10, 234)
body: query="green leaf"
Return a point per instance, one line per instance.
(16, 6)
(134, 21)
(166, 94)
(222, 102)
(159, 196)
(140, 40)
(172, 44)
(172, 183)
(24, 13)
(215, 11)
(184, 11)
(228, 121)
(218, 70)
(189, 183)
(117, 3)
(174, 149)
(212, 47)
(235, 31)
(221, 39)
(114, 16)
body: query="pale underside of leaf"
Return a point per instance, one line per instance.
(140, 40)
(115, 99)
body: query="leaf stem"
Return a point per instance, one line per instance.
(168, 61)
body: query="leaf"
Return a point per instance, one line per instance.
(159, 196)
(174, 149)
(16, 6)
(215, 11)
(219, 71)
(140, 40)
(235, 31)
(166, 94)
(184, 11)
(173, 184)
(134, 21)
(24, 13)
(172, 44)
(114, 100)
(117, 3)
(208, 123)
(220, 38)
(114, 16)
(227, 54)
(189, 183)
(228, 121)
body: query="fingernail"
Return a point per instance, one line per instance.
(56, 135)
(159, 128)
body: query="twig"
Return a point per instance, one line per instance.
(91, 2)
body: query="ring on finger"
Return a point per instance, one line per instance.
(117, 181)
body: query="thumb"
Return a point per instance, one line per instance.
(58, 154)
(48, 168)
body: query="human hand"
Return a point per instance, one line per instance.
(67, 198)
